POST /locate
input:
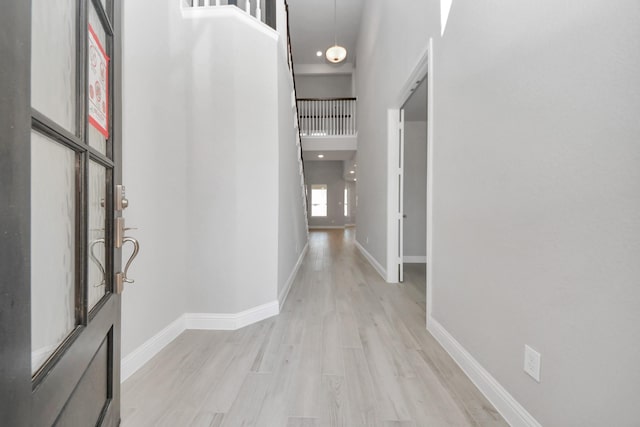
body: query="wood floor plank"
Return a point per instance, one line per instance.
(207, 419)
(333, 401)
(303, 422)
(347, 350)
(361, 399)
(248, 402)
(332, 363)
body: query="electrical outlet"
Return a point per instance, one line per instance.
(532, 363)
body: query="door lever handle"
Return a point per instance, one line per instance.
(121, 277)
(97, 261)
(134, 254)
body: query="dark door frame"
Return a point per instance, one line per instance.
(17, 398)
(15, 213)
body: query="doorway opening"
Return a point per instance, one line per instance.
(416, 89)
(413, 185)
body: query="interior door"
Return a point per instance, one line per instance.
(60, 164)
(401, 197)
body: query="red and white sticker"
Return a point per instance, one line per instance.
(98, 85)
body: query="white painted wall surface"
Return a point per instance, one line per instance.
(330, 174)
(537, 208)
(292, 228)
(415, 189)
(536, 183)
(201, 164)
(154, 167)
(324, 86)
(232, 175)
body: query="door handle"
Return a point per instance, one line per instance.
(121, 277)
(97, 261)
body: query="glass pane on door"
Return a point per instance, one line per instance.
(96, 245)
(53, 60)
(53, 225)
(98, 83)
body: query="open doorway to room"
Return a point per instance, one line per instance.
(415, 176)
(413, 191)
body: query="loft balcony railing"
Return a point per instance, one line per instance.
(262, 10)
(327, 117)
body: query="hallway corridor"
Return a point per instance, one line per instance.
(347, 350)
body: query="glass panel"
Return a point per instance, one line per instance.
(53, 207)
(318, 200)
(53, 60)
(96, 246)
(346, 202)
(98, 85)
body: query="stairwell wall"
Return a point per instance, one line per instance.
(211, 169)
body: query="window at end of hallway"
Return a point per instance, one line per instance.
(346, 201)
(319, 200)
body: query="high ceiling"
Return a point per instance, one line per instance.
(311, 23)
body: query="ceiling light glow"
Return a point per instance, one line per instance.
(319, 53)
(320, 156)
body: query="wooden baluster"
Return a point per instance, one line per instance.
(350, 117)
(355, 117)
(340, 118)
(217, 2)
(332, 107)
(338, 122)
(324, 117)
(258, 10)
(326, 128)
(247, 6)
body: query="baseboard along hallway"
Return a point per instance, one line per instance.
(347, 349)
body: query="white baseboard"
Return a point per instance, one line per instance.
(372, 261)
(231, 321)
(141, 355)
(512, 411)
(210, 321)
(284, 293)
(414, 259)
(326, 227)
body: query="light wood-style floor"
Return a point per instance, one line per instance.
(348, 350)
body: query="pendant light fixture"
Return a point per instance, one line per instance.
(336, 53)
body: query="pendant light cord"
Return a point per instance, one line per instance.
(335, 23)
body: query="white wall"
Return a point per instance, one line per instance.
(537, 214)
(415, 189)
(324, 86)
(330, 174)
(232, 174)
(292, 228)
(204, 186)
(536, 177)
(154, 167)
